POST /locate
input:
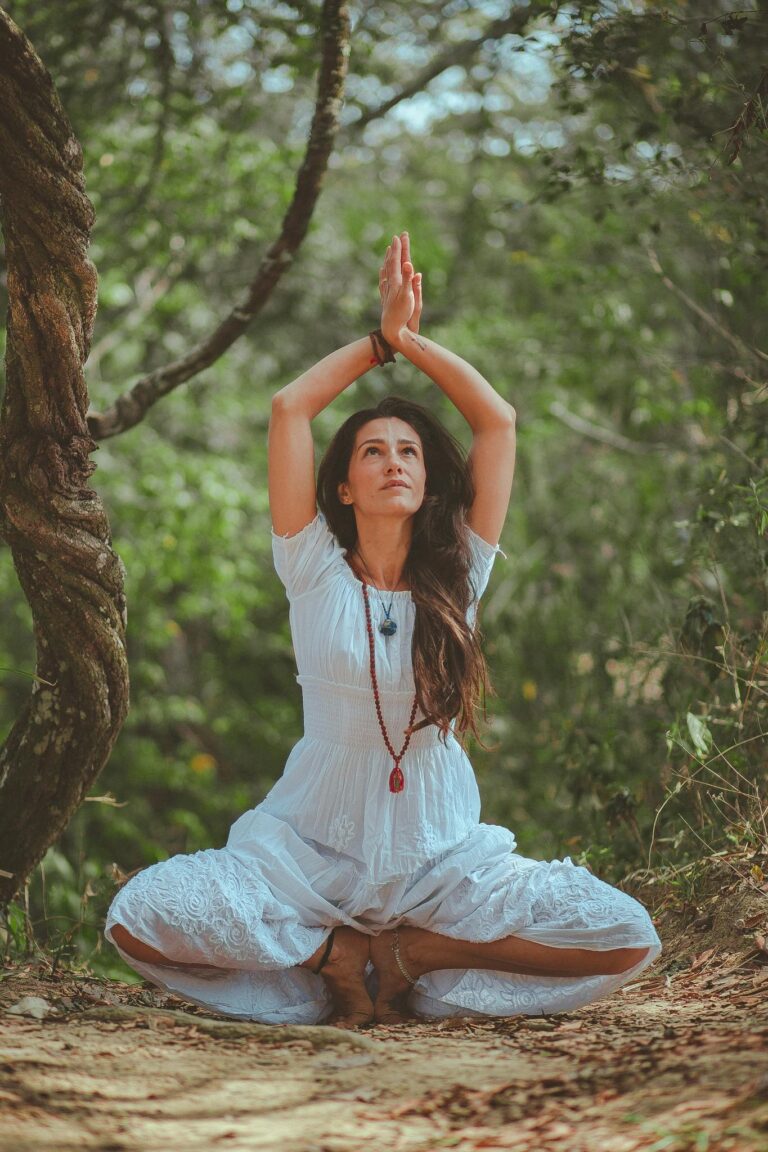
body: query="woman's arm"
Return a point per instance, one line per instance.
(291, 449)
(492, 419)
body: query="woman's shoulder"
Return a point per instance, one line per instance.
(482, 555)
(478, 545)
(303, 559)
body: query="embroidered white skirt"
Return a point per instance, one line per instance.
(236, 921)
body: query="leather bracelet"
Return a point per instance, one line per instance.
(382, 350)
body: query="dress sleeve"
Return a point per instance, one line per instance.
(482, 556)
(304, 560)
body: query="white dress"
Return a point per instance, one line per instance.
(331, 844)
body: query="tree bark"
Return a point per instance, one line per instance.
(53, 521)
(130, 408)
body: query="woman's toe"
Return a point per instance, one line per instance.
(350, 1020)
(392, 1016)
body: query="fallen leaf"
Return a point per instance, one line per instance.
(34, 1006)
(702, 958)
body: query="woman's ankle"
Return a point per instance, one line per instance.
(316, 958)
(415, 948)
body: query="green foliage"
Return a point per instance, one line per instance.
(586, 243)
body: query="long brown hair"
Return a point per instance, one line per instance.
(448, 664)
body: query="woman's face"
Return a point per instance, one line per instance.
(386, 475)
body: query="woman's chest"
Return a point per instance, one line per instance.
(332, 636)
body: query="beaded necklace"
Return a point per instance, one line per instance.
(396, 778)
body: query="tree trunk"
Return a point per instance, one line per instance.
(53, 521)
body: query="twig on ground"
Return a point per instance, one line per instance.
(318, 1035)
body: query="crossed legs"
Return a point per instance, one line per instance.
(420, 952)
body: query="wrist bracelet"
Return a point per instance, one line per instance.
(382, 350)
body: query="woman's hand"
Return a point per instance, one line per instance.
(491, 418)
(400, 290)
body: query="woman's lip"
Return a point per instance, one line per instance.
(396, 484)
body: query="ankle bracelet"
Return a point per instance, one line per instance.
(398, 960)
(326, 953)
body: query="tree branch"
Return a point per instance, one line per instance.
(165, 62)
(604, 435)
(745, 350)
(130, 408)
(462, 53)
(754, 109)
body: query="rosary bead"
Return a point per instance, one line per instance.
(396, 777)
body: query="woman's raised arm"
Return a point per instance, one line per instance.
(491, 418)
(291, 449)
(292, 499)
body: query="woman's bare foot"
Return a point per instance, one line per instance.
(344, 975)
(390, 1006)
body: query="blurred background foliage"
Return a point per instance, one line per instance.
(593, 243)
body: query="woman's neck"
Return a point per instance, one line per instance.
(381, 553)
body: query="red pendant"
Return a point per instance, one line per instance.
(396, 779)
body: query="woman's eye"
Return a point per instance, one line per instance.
(369, 449)
(411, 450)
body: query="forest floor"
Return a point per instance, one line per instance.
(676, 1061)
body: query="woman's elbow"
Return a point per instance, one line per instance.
(499, 425)
(508, 416)
(287, 405)
(281, 401)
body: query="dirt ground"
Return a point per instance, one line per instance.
(677, 1061)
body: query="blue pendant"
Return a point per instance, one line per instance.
(387, 627)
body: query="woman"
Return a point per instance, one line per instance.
(363, 886)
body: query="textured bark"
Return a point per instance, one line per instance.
(53, 521)
(130, 408)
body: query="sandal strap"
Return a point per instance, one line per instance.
(398, 958)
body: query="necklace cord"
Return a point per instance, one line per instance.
(366, 570)
(388, 626)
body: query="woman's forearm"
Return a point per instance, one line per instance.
(479, 403)
(291, 451)
(314, 390)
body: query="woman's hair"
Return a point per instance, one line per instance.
(448, 664)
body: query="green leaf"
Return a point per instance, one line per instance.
(700, 734)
